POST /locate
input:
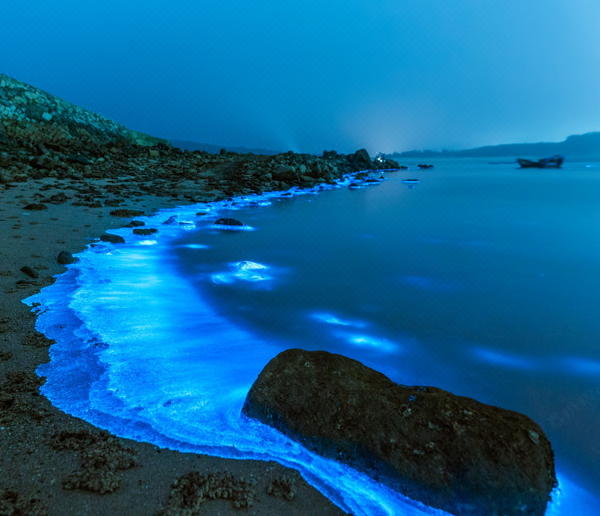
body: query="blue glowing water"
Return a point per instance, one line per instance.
(480, 280)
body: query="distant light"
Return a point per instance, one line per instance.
(147, 242)
(583, 365)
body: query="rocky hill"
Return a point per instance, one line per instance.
(45, 138)
(30, 114)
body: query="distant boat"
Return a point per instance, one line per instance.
(410, 181)
(553, 162)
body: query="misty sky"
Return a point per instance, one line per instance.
(313, 75)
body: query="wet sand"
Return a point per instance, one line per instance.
(56, 464)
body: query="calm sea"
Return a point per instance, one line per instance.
(481, 279)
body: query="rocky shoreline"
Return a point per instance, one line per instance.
(58, 465)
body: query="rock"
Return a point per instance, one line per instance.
(96, 204)
(144, 232)
(35, 207)
(78, 158)
(137, 223)
(362, 157)
(113, 239)
(449, 452)
(65, 258)
(171, 221)
(153, 153)
(284, 173)
(126, 213)
(228, 222)
(30, 272)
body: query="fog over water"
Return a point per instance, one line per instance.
(439, 284)
(311, 75)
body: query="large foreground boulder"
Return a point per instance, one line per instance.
(447, 451)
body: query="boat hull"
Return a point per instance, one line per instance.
(553, 162)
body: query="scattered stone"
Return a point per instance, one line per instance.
(190, 491)
(11, 504)
(144, 232)
(35, 207)
(19, 396)
(65, 258)
(113, 239)
(4, 356)
(126, 213)
(102, 457)
(228, 222)
(30, 272)
(37, 340)
(449, 452)
(137, 223)
(283, 486)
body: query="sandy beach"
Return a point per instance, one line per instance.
(55, 464)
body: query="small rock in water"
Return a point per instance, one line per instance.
(137, 223)
(449, 452)
(113, 239)
(30, 272)
(144, 232)
(65, 258)
(126, 213)
(228, 222)
(171, 221)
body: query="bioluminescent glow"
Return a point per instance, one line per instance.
(187, 225)
(196, 246)
(222, 278)
(147, 242)
(246, 271)
(140, 352)
(502, 358)
(225, 227)
(332, 319)
(368, 341)
(570, 499)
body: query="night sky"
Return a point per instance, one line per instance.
(313, 75)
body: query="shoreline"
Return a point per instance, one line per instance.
(36, 458)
